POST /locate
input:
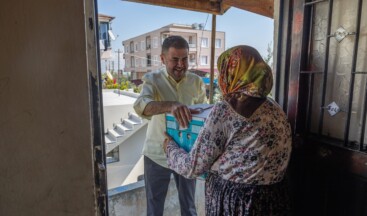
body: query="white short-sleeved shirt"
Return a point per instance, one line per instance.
(159, 86)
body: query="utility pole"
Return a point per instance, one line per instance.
(118, 69)
(212, 54)
(118, 62)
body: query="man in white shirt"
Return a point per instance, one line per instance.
(168, 90)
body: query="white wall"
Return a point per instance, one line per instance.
(114, 114)
(130, 151)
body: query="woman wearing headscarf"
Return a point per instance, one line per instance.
(245, 144)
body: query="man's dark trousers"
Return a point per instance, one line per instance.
(157, 180)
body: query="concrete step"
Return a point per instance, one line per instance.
(120, 129)
(128, 123)
(109, 138)
(115, 134)
(124, 127)
(135, 118)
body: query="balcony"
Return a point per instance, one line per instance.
(192, 63)
(192, 47)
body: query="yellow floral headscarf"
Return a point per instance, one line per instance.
(242, 69)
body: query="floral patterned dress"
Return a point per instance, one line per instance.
(246, 159)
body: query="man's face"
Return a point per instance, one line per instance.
(176, 61)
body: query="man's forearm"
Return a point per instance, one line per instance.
(180, 111)
(158, 107)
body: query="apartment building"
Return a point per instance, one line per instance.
(105, 33)
(142, 53)
(106, 36)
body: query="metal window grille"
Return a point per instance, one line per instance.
(323, 75)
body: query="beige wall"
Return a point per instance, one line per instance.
(46, 130)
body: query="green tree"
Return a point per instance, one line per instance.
(268, 58)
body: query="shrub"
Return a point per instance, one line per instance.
(136, 89)
(125, 85)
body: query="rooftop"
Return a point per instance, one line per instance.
(113, 98)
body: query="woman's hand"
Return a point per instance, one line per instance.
(166, 141)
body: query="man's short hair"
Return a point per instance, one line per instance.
(174, 41)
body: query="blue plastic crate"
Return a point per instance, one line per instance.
(186, 137)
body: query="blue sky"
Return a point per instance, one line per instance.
(133, 19)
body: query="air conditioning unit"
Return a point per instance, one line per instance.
(112, 36)
(101, 45)
(201, 26)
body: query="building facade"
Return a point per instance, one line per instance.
(106, 36)
(142, 53)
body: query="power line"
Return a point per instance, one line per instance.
(202, 34)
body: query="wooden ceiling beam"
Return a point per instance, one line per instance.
(217, 7)
(206, 6)
(262, 7)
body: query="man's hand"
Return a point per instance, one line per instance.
(182, 114)
(180, 111)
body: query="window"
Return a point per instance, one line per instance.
(204, 60)
(164, 36)
(132, 46)
(132, 61)
(155, 60)
(143, 62)
(126, 49)
(148, 42)
(218, 43)
(155, 42)
(192, 59)
(103, 30)
(336, 83)
(136, 47)
(134, 74)
(204, 42)
(137, 62)
(149, 60)
(142, 45)
(113, 156)
(103, 34)
(190, 40)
